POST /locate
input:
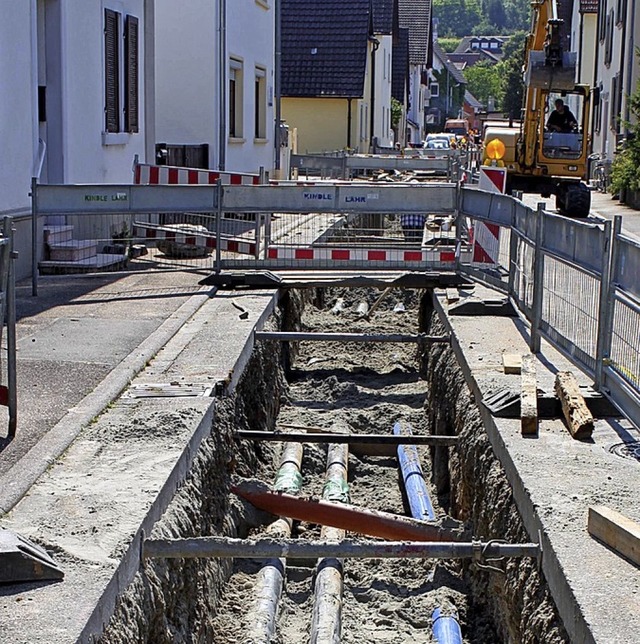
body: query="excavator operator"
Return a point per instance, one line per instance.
(562, 119)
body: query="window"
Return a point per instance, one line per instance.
(434, 90)
(121, 96)
(260, 109)
(602, 19)
(235, 98)
(621, 12)
(608, 45)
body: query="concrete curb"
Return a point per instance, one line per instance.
(16, 482)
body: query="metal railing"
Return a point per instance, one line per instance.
(575, 282)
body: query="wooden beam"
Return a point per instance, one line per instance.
(529, 397)
(512, 363)
(326, 437)
(616, 531)
(574, 407)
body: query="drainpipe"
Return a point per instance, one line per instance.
(349, 123)
(446, 629)
(222, 89)
(413, 478)
(372, 119)
(630, 60)
(276, 82)
(593, 86)
(621, 73)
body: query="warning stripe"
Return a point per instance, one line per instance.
(232, 245)
(361, 254)
(148, 175)
(486, 237)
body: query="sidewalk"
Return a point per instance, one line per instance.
(80, 341)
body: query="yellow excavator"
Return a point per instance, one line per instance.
(548, 154)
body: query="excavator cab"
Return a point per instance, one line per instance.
(563, 133)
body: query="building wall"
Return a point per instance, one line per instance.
(188, 72)
(18, 134)
(382, 105)
(321, 123)
(90, 156)
(250, 38)
(186, 69)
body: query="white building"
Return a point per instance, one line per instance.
(75, 85)
(215, 80)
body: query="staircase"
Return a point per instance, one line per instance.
(65, 255)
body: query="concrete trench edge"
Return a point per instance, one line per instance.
(566, 603)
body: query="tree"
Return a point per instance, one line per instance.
(512, 84)
(483, 81)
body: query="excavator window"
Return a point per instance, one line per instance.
(563, 126)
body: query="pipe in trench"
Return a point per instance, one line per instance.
(413, 478)
(326, 621)
(446, 629)
(268, 590)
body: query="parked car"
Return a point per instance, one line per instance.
(439, 141)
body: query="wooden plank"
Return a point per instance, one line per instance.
(529, 397)
(512, 363)
(452, 295)
(574, 407)
(616, 531)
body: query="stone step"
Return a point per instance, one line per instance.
(73, 250)
(57, 234)
(99, 262)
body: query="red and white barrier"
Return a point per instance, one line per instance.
(149, 175)
(486, 237)
(204, 240)
(361, 254)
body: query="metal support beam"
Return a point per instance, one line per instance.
(376, 439)
(294, 336)
(349, 549)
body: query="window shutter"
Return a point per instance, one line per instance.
(112, 64)
(131, 77)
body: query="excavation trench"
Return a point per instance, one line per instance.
(361, 388)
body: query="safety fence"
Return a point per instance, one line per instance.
(576, 283)
(574, 280)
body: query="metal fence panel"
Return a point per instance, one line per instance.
(337, 198)
(490, 206)
(626, 269)
(578, 242)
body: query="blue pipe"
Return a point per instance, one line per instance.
(413, 478)
(446, 629)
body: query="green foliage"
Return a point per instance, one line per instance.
(396, 112)
(480, 17)
(625, 170)
(510, 70)
(484, 80)
(448, 44)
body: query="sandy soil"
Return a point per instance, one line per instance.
(362, 388)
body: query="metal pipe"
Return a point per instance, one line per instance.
(222, 88)
(224, 547)
(326, 620)
(446, 629)
(12, 377)
(376, 439)
(261, 622)
(413, 478)
(277, 67)
(296, 336)
(34, 236)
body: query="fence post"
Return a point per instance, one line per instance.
(12, 378)
(605, 307)
(538, 275)
(219, 226)
(513, 248)
(34, 236)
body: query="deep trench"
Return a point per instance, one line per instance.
(202, 600)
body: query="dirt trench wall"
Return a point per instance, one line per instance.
(479, 493)
(172, 601)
